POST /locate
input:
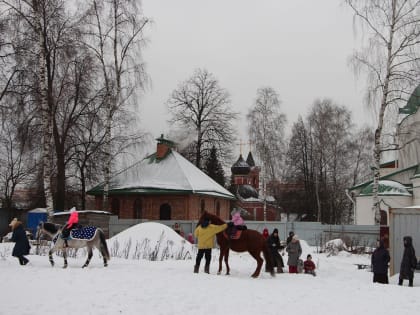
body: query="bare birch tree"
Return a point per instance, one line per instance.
(35, 18)
(115, 35)
(266, 125)
(391, 60)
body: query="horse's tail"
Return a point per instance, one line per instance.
(104, 246)
(268, 260)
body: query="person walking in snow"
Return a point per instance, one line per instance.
(380, 260)
(71, 224)
(273, 242)
(309, 265)
(205, 233)
(294, 250)
(408, 262)
(22, 246)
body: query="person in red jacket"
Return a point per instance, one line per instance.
(71, 224)
(309, 265)
(265, 233)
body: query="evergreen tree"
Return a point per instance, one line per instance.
(214, 168)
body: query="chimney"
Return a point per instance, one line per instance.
(163, 147)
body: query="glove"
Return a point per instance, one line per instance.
(230, 224)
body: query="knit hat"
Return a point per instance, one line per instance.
(276, 231)
(205, 223)
(291, 233)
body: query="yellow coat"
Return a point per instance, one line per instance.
(205, 235)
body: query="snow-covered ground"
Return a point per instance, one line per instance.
(141, 286)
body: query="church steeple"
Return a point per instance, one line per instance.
(250, 160)
(240, 167)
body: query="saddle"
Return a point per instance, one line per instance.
(234, 233)
(84, 233)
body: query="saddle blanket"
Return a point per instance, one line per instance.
(233, 236)
(85, 233)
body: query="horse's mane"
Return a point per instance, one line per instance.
(51, 227)
(214, 219)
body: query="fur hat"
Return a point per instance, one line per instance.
(13, 222)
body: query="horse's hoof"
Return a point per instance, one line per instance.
(65, 266)
(105, 265)
(218, 272)
(228, 273)
(84, 266)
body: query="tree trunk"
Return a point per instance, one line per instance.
(378, 132)
(46, 113)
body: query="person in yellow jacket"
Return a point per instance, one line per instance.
(205, 234)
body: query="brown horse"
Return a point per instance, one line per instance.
(250, 240)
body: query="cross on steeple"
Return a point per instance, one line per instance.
(241, 143)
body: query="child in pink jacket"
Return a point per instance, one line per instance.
(236, 224)
(72, 222)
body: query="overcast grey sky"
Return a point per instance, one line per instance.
(299, 47)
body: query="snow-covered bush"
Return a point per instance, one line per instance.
(333, 247)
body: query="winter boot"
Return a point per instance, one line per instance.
(196, 267)
(207, 269)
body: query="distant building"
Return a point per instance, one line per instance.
(399, 184)
(246, 187)
(164, 186)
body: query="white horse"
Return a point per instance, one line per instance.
(54, 231)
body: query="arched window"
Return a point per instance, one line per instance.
(165, 212)
(115, 206)
(218, 208)
(137, 209)
(384, 218)
(202, 205)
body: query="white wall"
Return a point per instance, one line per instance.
(366, 216)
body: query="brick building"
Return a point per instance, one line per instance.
(164, 186)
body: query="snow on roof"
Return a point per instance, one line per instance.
(386, 187)
(149, 238)
(81, 211)
(173, 172)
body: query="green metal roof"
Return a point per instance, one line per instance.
(388, 176)
(413, 103)
(386, 187)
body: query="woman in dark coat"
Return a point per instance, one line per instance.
(273, 242)
(380, 261)
(22, 246)
(408, 262)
